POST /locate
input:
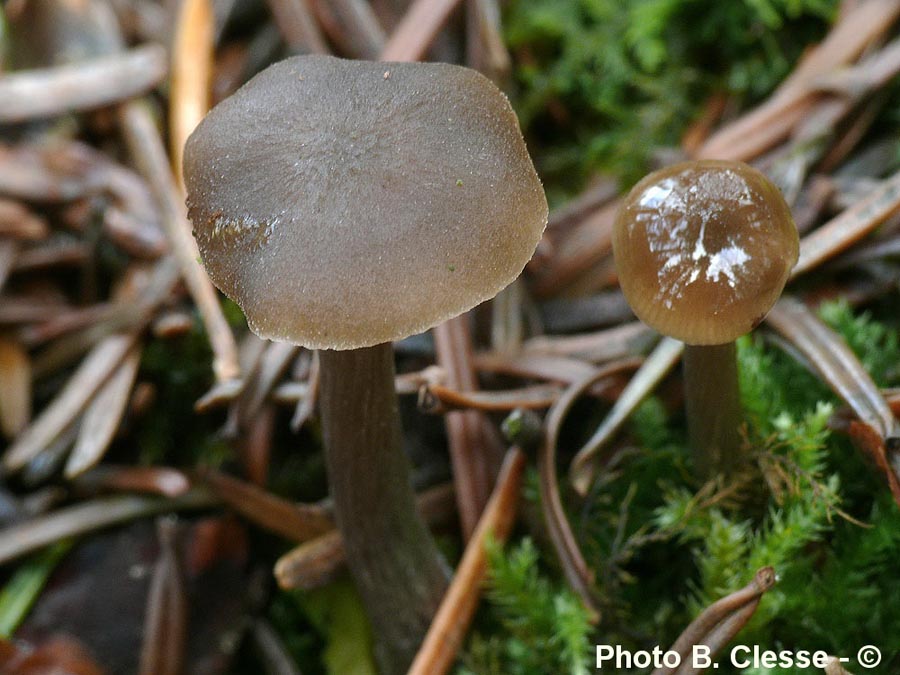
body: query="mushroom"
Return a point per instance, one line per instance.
(703, 250)
(344, 205)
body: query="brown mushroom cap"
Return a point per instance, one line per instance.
(704, 249)
(344, 204)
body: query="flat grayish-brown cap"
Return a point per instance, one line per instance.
(343, 204)
(703, 249)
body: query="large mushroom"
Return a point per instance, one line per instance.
(344, 205)
(703, 250)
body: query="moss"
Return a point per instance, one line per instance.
(663, 547)
(601, 84)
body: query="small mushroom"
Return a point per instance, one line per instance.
(346, 204)
(703, 250)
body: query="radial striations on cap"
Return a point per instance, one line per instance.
(703, 249)
(344, 204)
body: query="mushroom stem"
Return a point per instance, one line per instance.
(712, 400)
(392, 557)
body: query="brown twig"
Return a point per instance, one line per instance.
(834, 667)
(102, 416)
(158, 480)
(147, 151)
(74, 397)
(559, 369)
(417, 29)
(297, 26)
(649, 375)
(352, 26)
(575, 568)
(836, 363)
(72, 521)
(165, 623)
(485, 48)
(448, 629)
(437, 399)
(317, 562)
(765, 126)
(467, 434)
(296, 522)
(191, 80)
(312, 564)
(849, 227)
(19, 222)
(629, 339)
(275, 656)
(720, 622)
(85, 85)
(274, 362)
(15, 388)
(584, 245)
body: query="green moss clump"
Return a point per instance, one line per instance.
(602, 83)
(663, 547)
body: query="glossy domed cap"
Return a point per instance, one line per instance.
(344, 204)
(704, 249)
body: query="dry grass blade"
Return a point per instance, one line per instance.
(417, 29)
(88, 516)
(102, 417)
(648, 376)
(849, 227)
(147, 151)
(15, 388)
(448, 629)
(575, 569)
(467, 433)
(296, 522)
(68, 404)
(88, 84)
(190, 83)
(165, 623)
(720, 622)
(835, 362)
